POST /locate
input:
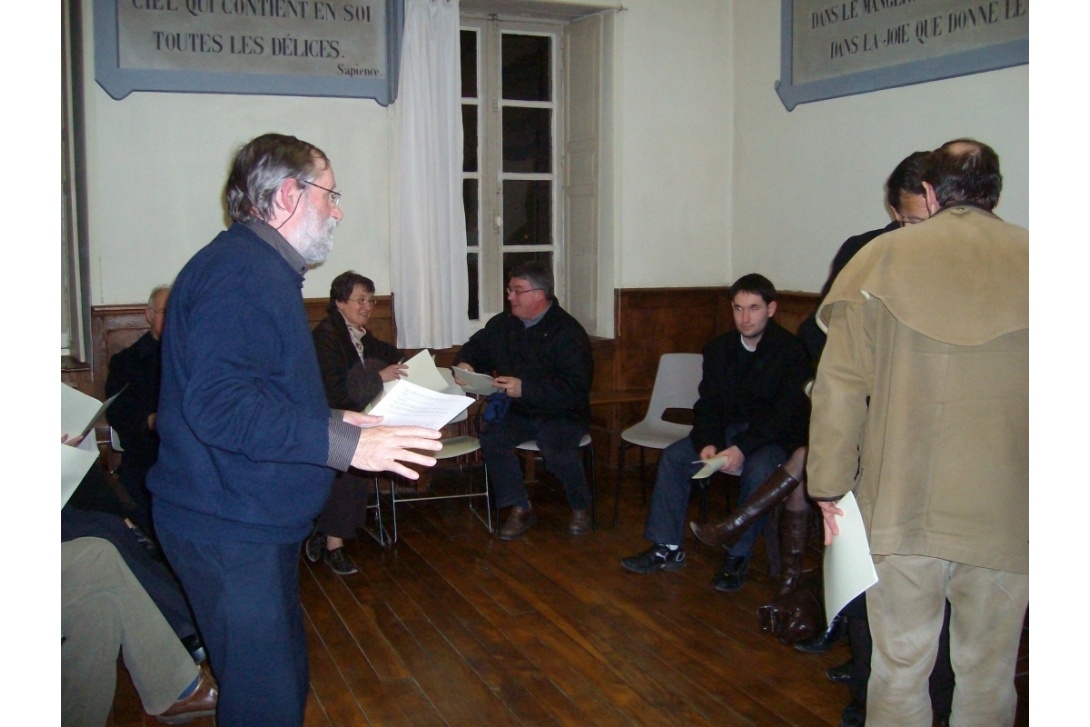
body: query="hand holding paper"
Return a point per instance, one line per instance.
(474, 383)
(849, 569)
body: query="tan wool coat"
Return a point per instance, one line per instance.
(921, 403)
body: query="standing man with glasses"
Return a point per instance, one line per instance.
(248, 441)
(540, 356)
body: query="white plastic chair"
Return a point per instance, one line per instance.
(677, 384)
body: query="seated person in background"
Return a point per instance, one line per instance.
(752, 411)
(541, 360)
(105, 610)
(140, 553)
(136, 370)
(354, 366)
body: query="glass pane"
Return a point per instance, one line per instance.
(511, 259)
(472, 263)
(469, 138)
(527, 212)
(470, 202)
(527, 140)
(469, 64)
(526, 67)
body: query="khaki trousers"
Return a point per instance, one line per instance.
(905, 608)
(104, 609)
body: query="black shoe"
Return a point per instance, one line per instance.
(732, 574)
(314, 546)
(339, 561)
(840, 674)
(854, 715)
(657, 557)
(824, 641)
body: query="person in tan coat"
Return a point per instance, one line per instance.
(921, 408)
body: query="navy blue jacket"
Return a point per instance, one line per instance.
(243, 420)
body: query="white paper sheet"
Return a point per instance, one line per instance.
(79, 413)
(74, 465)
(480, 384)
(422, 372)
(711, 466)
(849, 569)
(408, 403)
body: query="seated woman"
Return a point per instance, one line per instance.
(354, 366)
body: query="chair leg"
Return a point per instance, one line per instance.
(643, 478)
(588, 462)
(617, 483)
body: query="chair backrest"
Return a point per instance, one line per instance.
(677, 383)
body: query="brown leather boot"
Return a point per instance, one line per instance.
(771, 492)
(793, 531)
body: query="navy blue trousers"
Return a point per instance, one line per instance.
(674, 483)
(246, 599)
(558, 440)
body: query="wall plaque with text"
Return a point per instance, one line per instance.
(278, 47)
(830, 49)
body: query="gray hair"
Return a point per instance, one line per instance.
(538, 273)
(154, 292)
(261, 166)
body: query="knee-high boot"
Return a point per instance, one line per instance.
(772, 491)
(793, 531)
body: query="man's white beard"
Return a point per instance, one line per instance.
(315, 238)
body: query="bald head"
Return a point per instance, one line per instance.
(964, 170)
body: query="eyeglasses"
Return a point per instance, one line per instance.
(334, 197)
(362, 301)
(520, 292)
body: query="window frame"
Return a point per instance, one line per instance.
(490, 175)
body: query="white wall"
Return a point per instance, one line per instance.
(157, 163)
(806, 180)
(674, 126)
(714, 177)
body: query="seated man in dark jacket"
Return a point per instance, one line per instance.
(135, 372)
(540, 357)
(752, 411)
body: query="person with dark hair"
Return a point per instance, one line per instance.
(906, 204)
(752, 412)
(247, 437)
(921, 408)
(134, 374)
(541, 359)
(354, 366)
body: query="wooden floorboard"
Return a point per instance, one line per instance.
(452, 626)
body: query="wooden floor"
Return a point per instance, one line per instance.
(453, 627)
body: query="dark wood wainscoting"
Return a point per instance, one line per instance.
(649, 323)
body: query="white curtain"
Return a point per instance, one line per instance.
(428, 260)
